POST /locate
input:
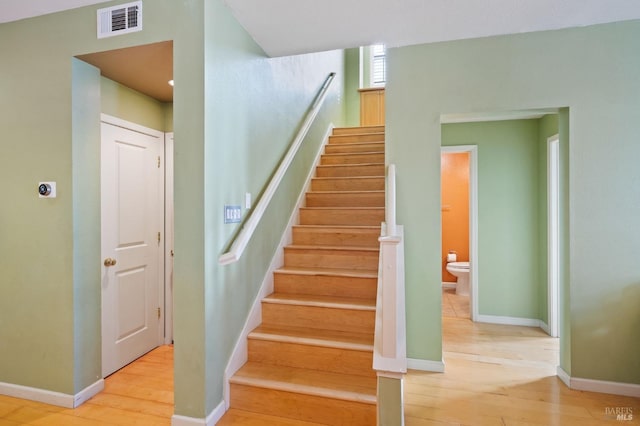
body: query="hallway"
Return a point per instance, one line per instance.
(503, 375)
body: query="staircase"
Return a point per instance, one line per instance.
(311, 358)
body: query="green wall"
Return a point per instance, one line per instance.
(235, 112)
(508, 215)
(254, 106)
(593, 72)
(351, 86)
(50, 249)
(125, 103)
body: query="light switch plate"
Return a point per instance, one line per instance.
(232, 214)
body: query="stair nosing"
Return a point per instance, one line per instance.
(347, 273)
(346, 227)
(310, 341)
(366, 191)
(328, 247)
(347, 144)
(320, 304)
(304, 389)
(351, 165)
(353, 153)
(344, 208)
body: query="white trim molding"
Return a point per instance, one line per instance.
(600, 386)
(425, 365)
(210, 420)
(524, 322)
(50, 397)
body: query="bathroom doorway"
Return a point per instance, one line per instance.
(459, 212)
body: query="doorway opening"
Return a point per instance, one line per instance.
(460, 228)
(135, 88)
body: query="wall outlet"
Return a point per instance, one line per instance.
(247, 200)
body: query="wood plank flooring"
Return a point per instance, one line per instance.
(139, 394)
(455, 305)
(502, 375)
(495, 375)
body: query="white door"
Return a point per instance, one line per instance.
(132, 220)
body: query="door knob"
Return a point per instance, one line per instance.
(109, 262)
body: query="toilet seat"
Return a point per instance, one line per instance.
(459, 265)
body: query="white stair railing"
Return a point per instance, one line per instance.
(389, 353)
(244, 236)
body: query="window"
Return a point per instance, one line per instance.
(378, 65)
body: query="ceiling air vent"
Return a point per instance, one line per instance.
(122, 19)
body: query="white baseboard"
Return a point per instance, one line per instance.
(563, 376)
(494, 319)
(87, 393)
(240, 353)
(600, 386)
(49, 397)
(425, 365)
(210, 420)
(545, 327)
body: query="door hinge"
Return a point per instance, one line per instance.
(158, 237)
(158, 313)
(158, 161)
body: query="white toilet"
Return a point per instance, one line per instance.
(461, 271)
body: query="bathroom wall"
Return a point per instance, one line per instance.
(455, 208)
(508, 214)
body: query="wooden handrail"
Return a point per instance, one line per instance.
(244, 236)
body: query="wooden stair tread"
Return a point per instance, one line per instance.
(341, 227)
(344, 144)
(315, 337)
(334, 178)
(249, 418)
(353, 165)
(332, 248)
(352, 154)
(356, 273)
(343, 208)
(321, 301)
(371, 191)
(309, 382)
(363, 129)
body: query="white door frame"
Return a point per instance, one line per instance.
(168, 240)
(473, 222)
(553, 234)
(105, 118)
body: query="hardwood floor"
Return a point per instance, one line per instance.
(455, 305)
(495, 375)
(503, 375)
(139, 394)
